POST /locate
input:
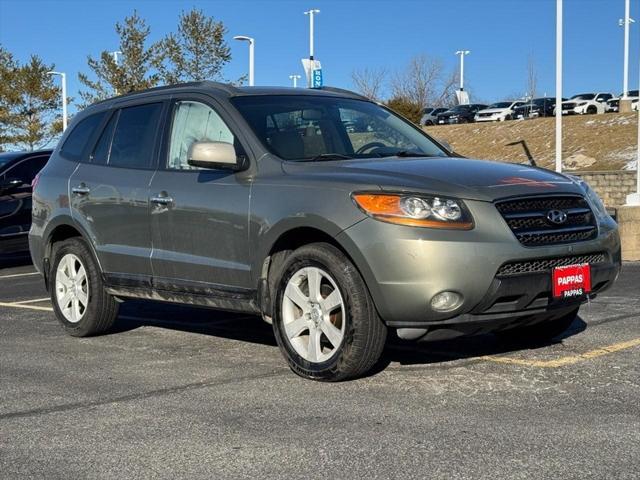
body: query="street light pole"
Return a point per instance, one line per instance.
(115, 60)
(252, 43)
(558, 85)
(295, 80)
(63, 79)
(625, 69)
(462, 53)
(311, 13)
(115, 56)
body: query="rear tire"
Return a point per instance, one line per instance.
(325, 322)
(77, 293)
(539, 332)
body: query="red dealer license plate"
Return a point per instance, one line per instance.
(571, 281)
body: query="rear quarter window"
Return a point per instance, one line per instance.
(76, 143)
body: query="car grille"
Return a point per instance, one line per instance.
(527, 219)
(613, 103)
(544, 265)
(568, 106)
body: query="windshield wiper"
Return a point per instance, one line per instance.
(326, 156)
(410, 153)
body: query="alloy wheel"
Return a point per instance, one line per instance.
(313, 314)
(72, 288)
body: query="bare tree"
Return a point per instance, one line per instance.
(424, 82)
(369, 82)
(532, 77)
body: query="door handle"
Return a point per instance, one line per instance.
(81, 189)
(162, 200)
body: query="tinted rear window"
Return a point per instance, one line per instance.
(101, 151)
(77, 140)
(134, 138)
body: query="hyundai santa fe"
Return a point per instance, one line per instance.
(265, 201)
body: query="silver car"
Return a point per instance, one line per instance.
(265, 201)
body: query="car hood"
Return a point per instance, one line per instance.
(458, 177)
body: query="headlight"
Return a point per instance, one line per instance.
(592, 196)
(416, 211)
(581, 104)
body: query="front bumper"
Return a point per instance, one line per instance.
(404, 267)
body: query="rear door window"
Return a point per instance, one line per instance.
(78, 139)
(134, 138)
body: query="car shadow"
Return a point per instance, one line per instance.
(464, 347)
(249, 328)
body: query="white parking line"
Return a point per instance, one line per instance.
(19, 275)
(27, 307)
(35, 300)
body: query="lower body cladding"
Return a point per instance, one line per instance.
(491, 282)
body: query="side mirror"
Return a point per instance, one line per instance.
(213, 155)
(10, 184)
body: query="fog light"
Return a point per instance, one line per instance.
(446, 301)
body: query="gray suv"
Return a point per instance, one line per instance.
(268, 201)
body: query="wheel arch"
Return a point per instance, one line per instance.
(290, 239)
(63, 229)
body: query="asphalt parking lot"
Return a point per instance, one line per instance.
(176, 393)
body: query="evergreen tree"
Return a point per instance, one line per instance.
(30, 105)
(198, 51)
(135, 70)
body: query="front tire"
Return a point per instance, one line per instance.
(77, 293)
(325, 322)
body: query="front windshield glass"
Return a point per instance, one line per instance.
(308, 127)
(584, 96)
(500, 105)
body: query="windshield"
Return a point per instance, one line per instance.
(500, 105)
(584, 96)
(307, 127)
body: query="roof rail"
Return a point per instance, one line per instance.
(225, 87)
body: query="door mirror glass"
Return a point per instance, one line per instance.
(213, 155)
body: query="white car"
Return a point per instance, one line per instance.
(613, 104)
(498, 112)
(586, 103)
(430, 116)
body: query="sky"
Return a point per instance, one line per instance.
(351, 34)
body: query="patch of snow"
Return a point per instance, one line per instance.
(632, 165)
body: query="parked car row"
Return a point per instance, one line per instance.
(581, 104)
(613, 104)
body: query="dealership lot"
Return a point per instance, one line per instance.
(203, 394)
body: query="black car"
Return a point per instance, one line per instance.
(17, 171)
(460, 114)
(538, 107)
